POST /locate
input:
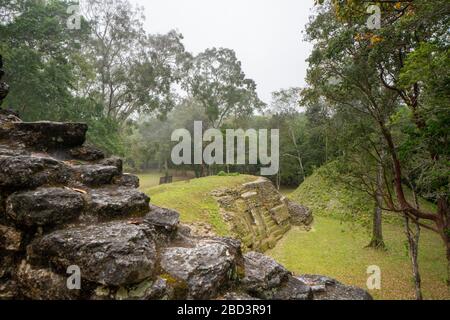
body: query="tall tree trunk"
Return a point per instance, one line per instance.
(299, 156)
(377, 241)
(413, 242)
(166, 168)
(444, 212)
(377, 234)
(278, 178)
(197, 169)
(413, 245)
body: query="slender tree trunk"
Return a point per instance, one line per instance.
(377, 241)
(444, 212)
(413, 244)
(197, 171)
(413, 241)
(377, 235)
(166, 169)
(299, 156)
(278, 181)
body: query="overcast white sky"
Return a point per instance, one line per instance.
(266, 34)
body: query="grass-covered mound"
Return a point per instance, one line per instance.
(328, 197)
(337, 244)
(193, 199)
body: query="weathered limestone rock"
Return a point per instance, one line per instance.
(9, 115)
(300, 215)
(43, 284)
(205, 269)
(13, 151)
(325, 288)
(86, 153)
(256, 213)
(113, 162)
(96, 175)
(26, 172)
(112, 203)
(126, 180)
(293, 289)
(44, 135)
(6, 264)
(8, 290)
(263, 276)
(239, 296)
(155, 290)
(158, 289)
(10, 239)
(113, 254)
(280, 214)
(44, 207)
(266, 279)
(161, 217)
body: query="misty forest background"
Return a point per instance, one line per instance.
(374, 116)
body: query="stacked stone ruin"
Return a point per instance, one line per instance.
(259, 215)
(64, 204)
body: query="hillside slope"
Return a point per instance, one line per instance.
(329, 198)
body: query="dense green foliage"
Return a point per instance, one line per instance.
(134, 89)
(383, 86)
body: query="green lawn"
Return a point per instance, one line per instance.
(193, 201)
(337, 249)
(151, 179)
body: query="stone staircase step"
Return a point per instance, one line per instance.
(96, 175)
(27, 172)
(112, 254)
(268, 220)
(274, 228)
(44, 135)
(117, 202)
(114, 162)
(280, 214)
(127, 180)
(12, 151)
(44, 207)
(278, 234)
(86, 153)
